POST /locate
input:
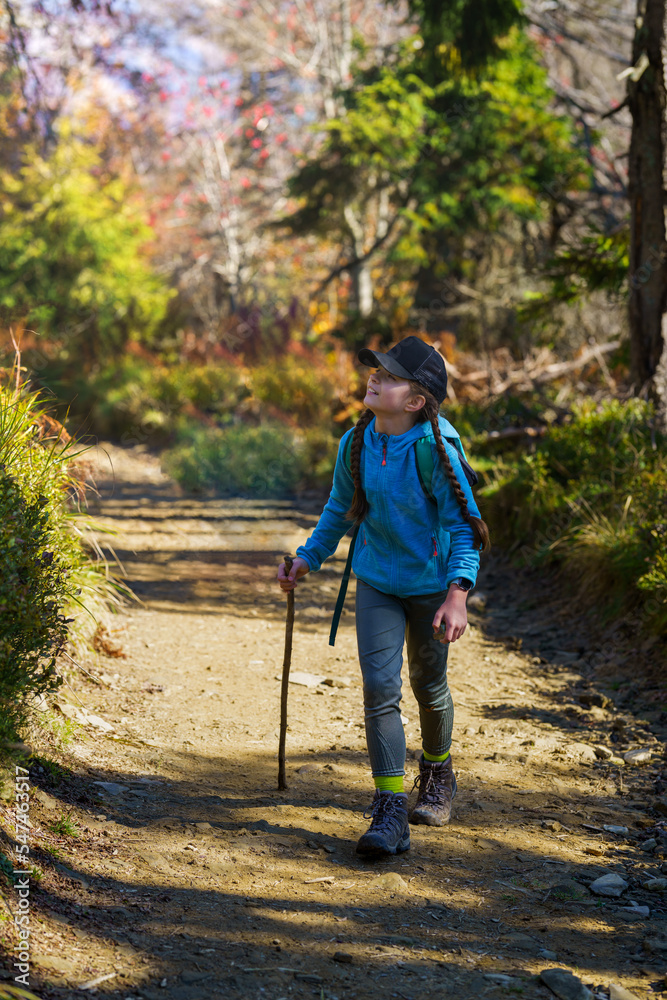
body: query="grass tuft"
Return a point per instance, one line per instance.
(591, 500)
(53, 585)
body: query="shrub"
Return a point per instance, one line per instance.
(45, 572)
(237, 460)
(214, 389)
(318, 448)
(592, 499)
(141, 402)
(296, 386)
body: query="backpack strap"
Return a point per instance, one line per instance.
(340, 600)
(348, 451)
(468, 470)
(347, 572)
(425, 462)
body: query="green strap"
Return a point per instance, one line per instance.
(348, 450)
(424, 463)
(338, 610)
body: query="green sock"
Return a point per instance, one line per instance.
(436, 758)
(389, 783)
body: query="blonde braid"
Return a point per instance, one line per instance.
(359, 506)
(431, 411)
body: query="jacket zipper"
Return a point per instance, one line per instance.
(393, 568)
(435, 545)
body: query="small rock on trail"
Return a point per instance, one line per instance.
(618, 992)
(565, 985)
(391, 881)
(637, 757)
(656, 944)
(609, 885)
(112, 787)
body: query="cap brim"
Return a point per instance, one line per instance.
(376, 360)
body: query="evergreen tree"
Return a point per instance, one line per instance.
(420, 161)
(468, 31)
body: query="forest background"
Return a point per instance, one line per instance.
(205, 213)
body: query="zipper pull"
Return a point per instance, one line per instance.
(435, 546)
(384, 451)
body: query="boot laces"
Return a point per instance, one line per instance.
(383, 813)
(431, 790)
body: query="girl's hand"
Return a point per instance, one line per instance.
(454, 614)
(299, 568)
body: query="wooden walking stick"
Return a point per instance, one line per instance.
(289, 629)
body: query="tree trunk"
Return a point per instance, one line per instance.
(362, 281)
(362, 288)
(648, 249)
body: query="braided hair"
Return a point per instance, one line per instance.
(431, 411)
(359, 506)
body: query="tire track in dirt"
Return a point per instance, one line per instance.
(196, 878)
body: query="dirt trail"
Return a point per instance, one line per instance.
(193, 877)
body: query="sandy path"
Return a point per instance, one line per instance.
(198, 879)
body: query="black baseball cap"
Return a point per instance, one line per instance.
(411, 358)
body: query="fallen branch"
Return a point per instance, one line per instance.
(536, 372)
(590, 354)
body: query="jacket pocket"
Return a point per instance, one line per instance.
(360, 548)
(439, 555)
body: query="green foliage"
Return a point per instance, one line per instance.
(34, 585)
(54, 852)
(238, 460)
(212, 389)
(296, 387)
(8, 992)
(591, 498)
(7, 868)
(458, 157)
(139, 399)
(598, 261)
(474, 420)
(206, 415)
(66, 826)
(318, 448)
(72, 260)
(45, 572)
(268, 461)
(143, 401)
(471, 28)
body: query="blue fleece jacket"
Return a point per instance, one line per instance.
(407, 545)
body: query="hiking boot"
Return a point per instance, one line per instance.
(389, 832)
(437, 788)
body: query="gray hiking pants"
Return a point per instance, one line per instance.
(383, 623)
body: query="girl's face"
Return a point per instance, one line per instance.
(387, 394)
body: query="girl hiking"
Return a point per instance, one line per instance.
(415, 557)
